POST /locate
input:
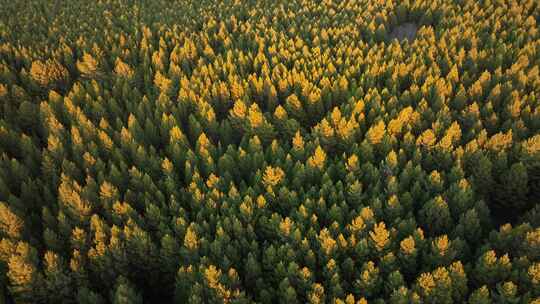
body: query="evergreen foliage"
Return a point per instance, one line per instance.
(269, 151)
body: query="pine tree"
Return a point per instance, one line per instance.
(86, 296)
(11, 225)
(57, 281)
(506, 293)
(369, 281)
(480, 296)
(287, 292)
(491, 269)
(435, 215)
(49, 74)
(273, 176)
(435, 286)
(122, 69)
(318, 159)
(170, 260)
(316, 294)
(380, 237)
(191, 241)
(376, 132)
(25, 280)
(125, 293)
(514, 188)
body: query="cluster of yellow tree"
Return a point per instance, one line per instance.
(284, 151)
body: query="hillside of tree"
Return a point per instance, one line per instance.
(271, 151)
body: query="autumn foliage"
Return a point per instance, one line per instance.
(269, 151)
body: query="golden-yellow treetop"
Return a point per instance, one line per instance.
(273, 176)
(318, 159)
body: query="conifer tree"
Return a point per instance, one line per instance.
(124, 292)
(88, 66)
(49, 74)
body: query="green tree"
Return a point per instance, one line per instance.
(481, 296)
(287, 294)
(58, 281)
(87, 296)
(513, 189)
(435, 216)
(125, 293)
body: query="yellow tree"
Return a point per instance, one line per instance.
(380, 236)
(376, 132)
(11, 225)
(49, 74)
(318, 159)
(273, 176)
(123, 69)
(88, 66)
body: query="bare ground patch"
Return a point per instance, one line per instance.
(404, 31)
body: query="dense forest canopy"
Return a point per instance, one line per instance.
(284, 151)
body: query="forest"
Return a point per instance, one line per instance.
(270, 151)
